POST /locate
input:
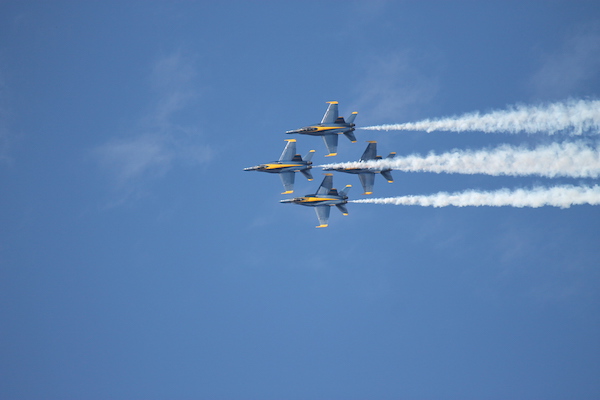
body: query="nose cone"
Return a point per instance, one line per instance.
(287, 201)
(251, 168)
(292, 131)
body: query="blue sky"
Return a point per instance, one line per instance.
(139, 261)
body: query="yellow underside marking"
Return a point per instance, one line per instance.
(314, 199)
(276, 166)
(326, 128)
(368, 193)
(322, 226)
(290, 140)
(331, 155)
(390, 181)
(331, 102)
(345, 214)
(288, 192)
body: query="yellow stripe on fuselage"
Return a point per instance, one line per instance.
(325, 128)
(276, 166)
(315, 199)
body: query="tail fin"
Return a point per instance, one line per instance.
(391, 155)
(387, 174)
(309, 156)
(350, 135)
(342, 208)
(350, 119)
(307, 174)
(344, 191)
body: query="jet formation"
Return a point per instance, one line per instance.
(326, 195)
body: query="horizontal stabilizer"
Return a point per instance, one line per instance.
(351, 118)
(342, 208)
(307, 174)
(309, 156)
(350, 135)
(344, 191)
(387, 174)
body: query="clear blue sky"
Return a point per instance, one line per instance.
(139, 261)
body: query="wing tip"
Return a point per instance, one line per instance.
(328, 174)
(371, 141)
(289, 140)
(322, 226)
(354, 112)
(331, 155)
(368, 193)
(331, 102)
(287, 192)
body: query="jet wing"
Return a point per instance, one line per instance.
(289, 151)
(367, 179)
(331, 141)
(326, 185)
(331, 114)
(370, 152)
(287, 178)
(323, 215)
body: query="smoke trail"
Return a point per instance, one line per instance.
(575, 160)
(573, 116)
(558, 196)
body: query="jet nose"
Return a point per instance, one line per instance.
(286, 201)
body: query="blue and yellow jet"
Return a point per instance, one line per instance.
(367, 175)
(322, 201)
(288, 164)
(330, 127)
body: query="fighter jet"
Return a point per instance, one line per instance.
(288, 164)
(330, 127)
(324, 199)
(367, 175)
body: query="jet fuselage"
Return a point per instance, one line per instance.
(276, 167)
(313, 200)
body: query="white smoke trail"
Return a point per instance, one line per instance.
(573, 116)
(574, 159)
(558, 196)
